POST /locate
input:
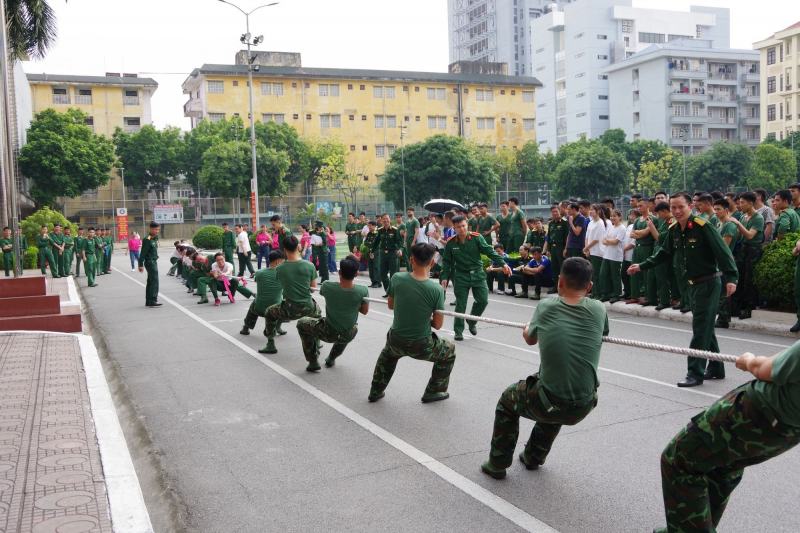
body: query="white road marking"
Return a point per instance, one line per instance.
(467, 486)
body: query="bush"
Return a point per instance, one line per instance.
(208, 237)
(32, 225)
(774, 273)
(31, 257)
(486, 261)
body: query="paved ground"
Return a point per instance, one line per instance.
(250, 443)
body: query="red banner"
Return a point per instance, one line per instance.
(254, 223)
(122, 228)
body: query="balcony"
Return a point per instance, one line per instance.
(193, 108)
(131, 128)
(687, 74)
(694, 141)
(751, 99)
(752, 142)
(689, 119)
(688, 97)
(722, 123)
(751, 121)
(751, 77)
(61, 99)
(722, 100)
(722, 79)
(130, 100)
(83, 99)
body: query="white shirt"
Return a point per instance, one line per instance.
(365, 230)
(596, 232)
(316, 240)
(243, 242)
(628, 256)
(615, 252)
(225, 272)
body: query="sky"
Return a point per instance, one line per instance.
(167, 39)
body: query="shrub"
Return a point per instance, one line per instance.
(774, 273)
(33, 224)
(486, 261)
(30, 258)
(208, 237)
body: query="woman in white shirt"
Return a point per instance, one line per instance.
(627, 258)
(595, 249)
(611, 271)
(222, 278)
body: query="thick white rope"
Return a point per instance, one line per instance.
(689, 352)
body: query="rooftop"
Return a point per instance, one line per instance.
(124, 80)
(698, 48)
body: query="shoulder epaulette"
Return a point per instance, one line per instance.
(450, 239)
(474, 233)
(673, 224)
(700, 221)
(148, 237)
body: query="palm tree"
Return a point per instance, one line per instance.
(31, 26)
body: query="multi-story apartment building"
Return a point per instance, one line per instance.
(495, 31)
(780, 76)
(687, 94)
(369, 110)
(575, 43)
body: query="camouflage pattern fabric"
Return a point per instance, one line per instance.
(705, 461)
(440, 352)
(286, 311)
(314, 330)
(528, 399)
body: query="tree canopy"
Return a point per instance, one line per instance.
(151, 158)
(227, 170)
(591, 170)
(773, 168)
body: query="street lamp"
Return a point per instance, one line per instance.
(684, 136)
(403, 128)
(247, 39)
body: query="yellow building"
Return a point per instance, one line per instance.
(111, 101)
(366, 110)
(780, 82)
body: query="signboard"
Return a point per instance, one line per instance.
(253, 221)
(330, 208)
(122, 227)
(168, 214)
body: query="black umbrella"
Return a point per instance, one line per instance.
(440, 205)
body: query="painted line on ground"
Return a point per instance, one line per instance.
(502, 507)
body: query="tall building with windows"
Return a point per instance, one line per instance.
(574, 44)
(687, 94)
(368, 110)
(780, 76)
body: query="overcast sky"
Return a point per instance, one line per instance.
(166, 39)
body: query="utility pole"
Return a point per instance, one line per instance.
(403, 164)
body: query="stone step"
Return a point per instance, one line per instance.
(24, 286)
(68, 322)
(30, 305)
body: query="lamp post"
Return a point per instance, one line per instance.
(684, 136)
(248, 40)
(403, 163)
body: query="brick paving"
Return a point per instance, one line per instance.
(51, 477)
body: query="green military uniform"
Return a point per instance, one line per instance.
(699, 252)
(556, 239)
(411, 227)
(372, 262)
(353, 231)
(339, 325)
(78, 257)
(473, 223)
(385, 248)
(87, 247)
(200, 276)
(108, 242)
(711, 218)
(58, 240)
(535, 238)
(643, 285)
(516, 235)
(268, 293)
(148, 258)
(45, 245)
(7, 247)
(283, 234)
(705, 461)
(485, 225)
(728, 229)
(504, 232)
(747, 255)
(295, 278)
(228, 245)
(462, 264)
(69, 254)
(788, 222)
(663, 272)
(319, 253)
(410, 336)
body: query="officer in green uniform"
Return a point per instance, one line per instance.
(319, 252)
(504, 231)
(517, 227)
(536, 235)
(69, 251)
(268, 293)
(353, 231)
(788, 220)
(79, 238)
(643, 285)
(411, 228)
(148, 259)
(663, 272)
(57, 238)
(486, 223)
(462, 263)
(99, 251)
(278, 229)
(87, 251)
(753, 423)
(730, 236)
(372, 262)
(555, 242)
(473, 219)
(45, 245)
(7, 246)
(387, 247)
(697, 249)
(228, 242)
(751, 229)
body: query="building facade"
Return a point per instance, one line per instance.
(688, 95)
(371, 112)
(780, 78)
(574, 44)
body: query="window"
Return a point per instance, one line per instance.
(437, 122)
(436, 93)
(603, 117)
(235, 83)
(485, 123)
(330, 121)
(602, 97)
(527, 96)
(130, 97)
(627, 26)
(331, 89)
(89, 121)
(528, 124)
(385, 121)
(602, 76)
(602, 37)
(771, 85)
(380, 151)
(602, 56)
(133, 124)
(279, 118)
(657, 38)
(216, 86)
(771, 56)
(580, 115)
(579, 35)
(580, 74)
(771, 113)
(271, 89)
(580, 95)
(379, 91)
(216, 117)
(84, 96)
(60, 96)
(484, 95)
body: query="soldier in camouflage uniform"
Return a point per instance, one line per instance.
(705, 461)
(555, 242)
(415, 299)
(387, 247)
(268, 293)
(297, 277)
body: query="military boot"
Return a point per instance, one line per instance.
(269, 348)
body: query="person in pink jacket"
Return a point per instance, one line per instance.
(134, 247)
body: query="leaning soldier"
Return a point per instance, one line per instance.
(415, 300)
(388, 248)
(462, 264)
(753, 423)
(569, 330)
(268, 293)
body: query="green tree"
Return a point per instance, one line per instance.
(792, 142)
(45, 216)
(284, 138)
(441, 166)
(205, 134)
(531, 164)
(227, 170)
(659, 173)
(614, 139)
(351, 181)
(151, 158)
(31, 27)
(773, 168)
(639, 152)
(720, 167)
(326, 162)
(591, 170)
(64, 157)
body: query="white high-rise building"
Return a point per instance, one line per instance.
(494, 31)
(574, 44)
(687, 94)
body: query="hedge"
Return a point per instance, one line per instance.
(208, 237)
(774, 273)
(30, 260)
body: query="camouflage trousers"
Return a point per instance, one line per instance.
(314, 330)
(440, 352)
(251, 318)
(528, 399)
(704, 462)
(286, 311)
